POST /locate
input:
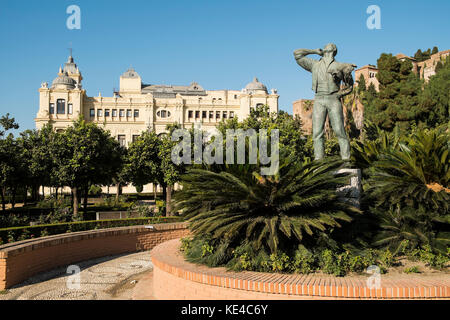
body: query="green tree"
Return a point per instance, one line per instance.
(149, 161)
(362, 84)
(290, 128)
(9, 161)
(85, 154)
(422, 55)
(10, 166)
(397, 102)
(435, 50)
(37, 157)
(439, 66)
(435, 100)
(7, 124)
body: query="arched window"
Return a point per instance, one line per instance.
(163, 114)
(60, 106)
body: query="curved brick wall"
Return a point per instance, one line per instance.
(23, 259)
(174, 278)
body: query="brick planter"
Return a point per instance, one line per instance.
(174, 278)
(23, 259)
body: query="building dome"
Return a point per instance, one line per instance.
(64, 81)
(255, 85)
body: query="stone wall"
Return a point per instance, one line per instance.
(23, 259)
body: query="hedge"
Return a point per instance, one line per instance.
(8, 235)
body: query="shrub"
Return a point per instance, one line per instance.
(44, 233)
(413, 269)
(329, 264)
(386, 258)
(207, 249)
(95, 190)
(278, 262)
(161, 205)
(408, 187)
(304, 261)
(244, 261)
(25, 235)
(185, 245)
(427, 255)
(358, 263)
(143, 210)
(10, 234)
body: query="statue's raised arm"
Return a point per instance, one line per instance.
(303, 61)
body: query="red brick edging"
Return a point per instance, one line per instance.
(174, 278)
(23, 259)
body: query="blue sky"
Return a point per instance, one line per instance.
(219, 44)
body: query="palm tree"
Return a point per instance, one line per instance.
(417, 173)
(418, 226)
(237, 205)
(409, 188)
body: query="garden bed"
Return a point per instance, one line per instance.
(175, 278)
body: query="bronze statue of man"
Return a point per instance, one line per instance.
(327, 76)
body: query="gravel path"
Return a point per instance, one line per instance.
(107, 278)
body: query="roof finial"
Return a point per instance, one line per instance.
(70, 59)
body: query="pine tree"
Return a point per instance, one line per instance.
(418, 55)
(397, 102)
(362, 84)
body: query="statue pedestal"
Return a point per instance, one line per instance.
(352, 191)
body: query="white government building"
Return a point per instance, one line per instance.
(137, 107)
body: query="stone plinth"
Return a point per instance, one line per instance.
(352, 191)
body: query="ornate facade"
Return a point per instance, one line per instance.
(137, 106)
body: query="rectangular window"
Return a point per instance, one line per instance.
(114, 112)
(70, 108)
(211, 114)
(190, 114)
(60, 106)
(136, 113)
(92, 113)
(135, 137)
(203, 114)
(224, 114)
(197, 114)
(231, 114)
(121, 113)
(106, 112)
(217, 114)
(121, 138)
(51, 108)
(129, 113)
(99, 113)
(235, 96)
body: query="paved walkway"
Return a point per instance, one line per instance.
(122, 277)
